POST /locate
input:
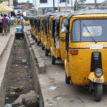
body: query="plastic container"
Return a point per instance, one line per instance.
(18, 29)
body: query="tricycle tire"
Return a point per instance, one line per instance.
(46, 52)
(67, 79)
(42, 47)
(32, 35)
(98, 92)
(38, 43)
(35, 40)
(53, 60)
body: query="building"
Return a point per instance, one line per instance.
(21, 7)
(43, 6)
(104, 4)
(8, 2)
(89, 5)
(25, 5)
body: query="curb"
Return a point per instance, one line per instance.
(38, 59)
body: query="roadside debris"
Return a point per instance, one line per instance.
(12, 94)
(53, 88)
(7, 98)
(8, 105)
(26, 66)
(16, 80)
(24, 61)
(18, 90)
(58, 98)
(28, 76)
(29, 99)
(27, 63)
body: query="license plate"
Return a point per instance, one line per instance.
(96, 46)
(98, 80)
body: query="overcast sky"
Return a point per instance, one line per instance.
(87, 1)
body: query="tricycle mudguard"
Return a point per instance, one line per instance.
(95, 79)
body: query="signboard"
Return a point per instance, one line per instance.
(26, 6)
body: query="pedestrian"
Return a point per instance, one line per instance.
(12, 19)
(5, 24)
(22, 22)
(8, 28)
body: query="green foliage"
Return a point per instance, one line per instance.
(28, 1)
(76, 5)
(1, 1)
(82, 1)
(68, 1)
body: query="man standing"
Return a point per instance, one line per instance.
(5, 24)
(22, 22)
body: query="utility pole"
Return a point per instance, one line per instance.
(58, 5)
(95, 3)
(66, 6)
(8, 2)
(53, 5)
(71, 3)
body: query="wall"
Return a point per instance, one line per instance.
(50, 4)
(6, 66)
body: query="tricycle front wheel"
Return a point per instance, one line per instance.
(53, 60)
(98, 91)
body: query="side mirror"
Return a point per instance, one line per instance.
(65, 22)
(63, 30)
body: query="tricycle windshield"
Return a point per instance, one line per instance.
(90, 30)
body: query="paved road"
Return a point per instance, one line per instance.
(67, 95)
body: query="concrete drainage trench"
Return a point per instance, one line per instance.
(20, 81)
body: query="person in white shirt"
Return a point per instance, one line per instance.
(22, 22)
(12, 19)
(1, 16)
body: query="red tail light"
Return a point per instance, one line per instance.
(74, 52)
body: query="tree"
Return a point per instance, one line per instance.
(76, 5)
(28, 1)
(82, 1)
(1, 1)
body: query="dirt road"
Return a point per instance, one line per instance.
(67, 95)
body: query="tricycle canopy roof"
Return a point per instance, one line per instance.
(59, 15)
(83, 12)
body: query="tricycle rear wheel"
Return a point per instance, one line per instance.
(38, 42)
(53, 60)
(46, 52)
(42, 47)
(67, 79)
(98, 91)
(35, 40)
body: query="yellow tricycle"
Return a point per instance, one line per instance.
(86, 46)
(58, 38)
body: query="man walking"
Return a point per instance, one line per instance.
(5, 24)
(22, 22)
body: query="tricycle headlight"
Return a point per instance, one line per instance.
(98, 72)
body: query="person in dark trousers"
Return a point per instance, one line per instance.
(5, 24)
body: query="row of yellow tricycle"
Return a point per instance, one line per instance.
(79, 39)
